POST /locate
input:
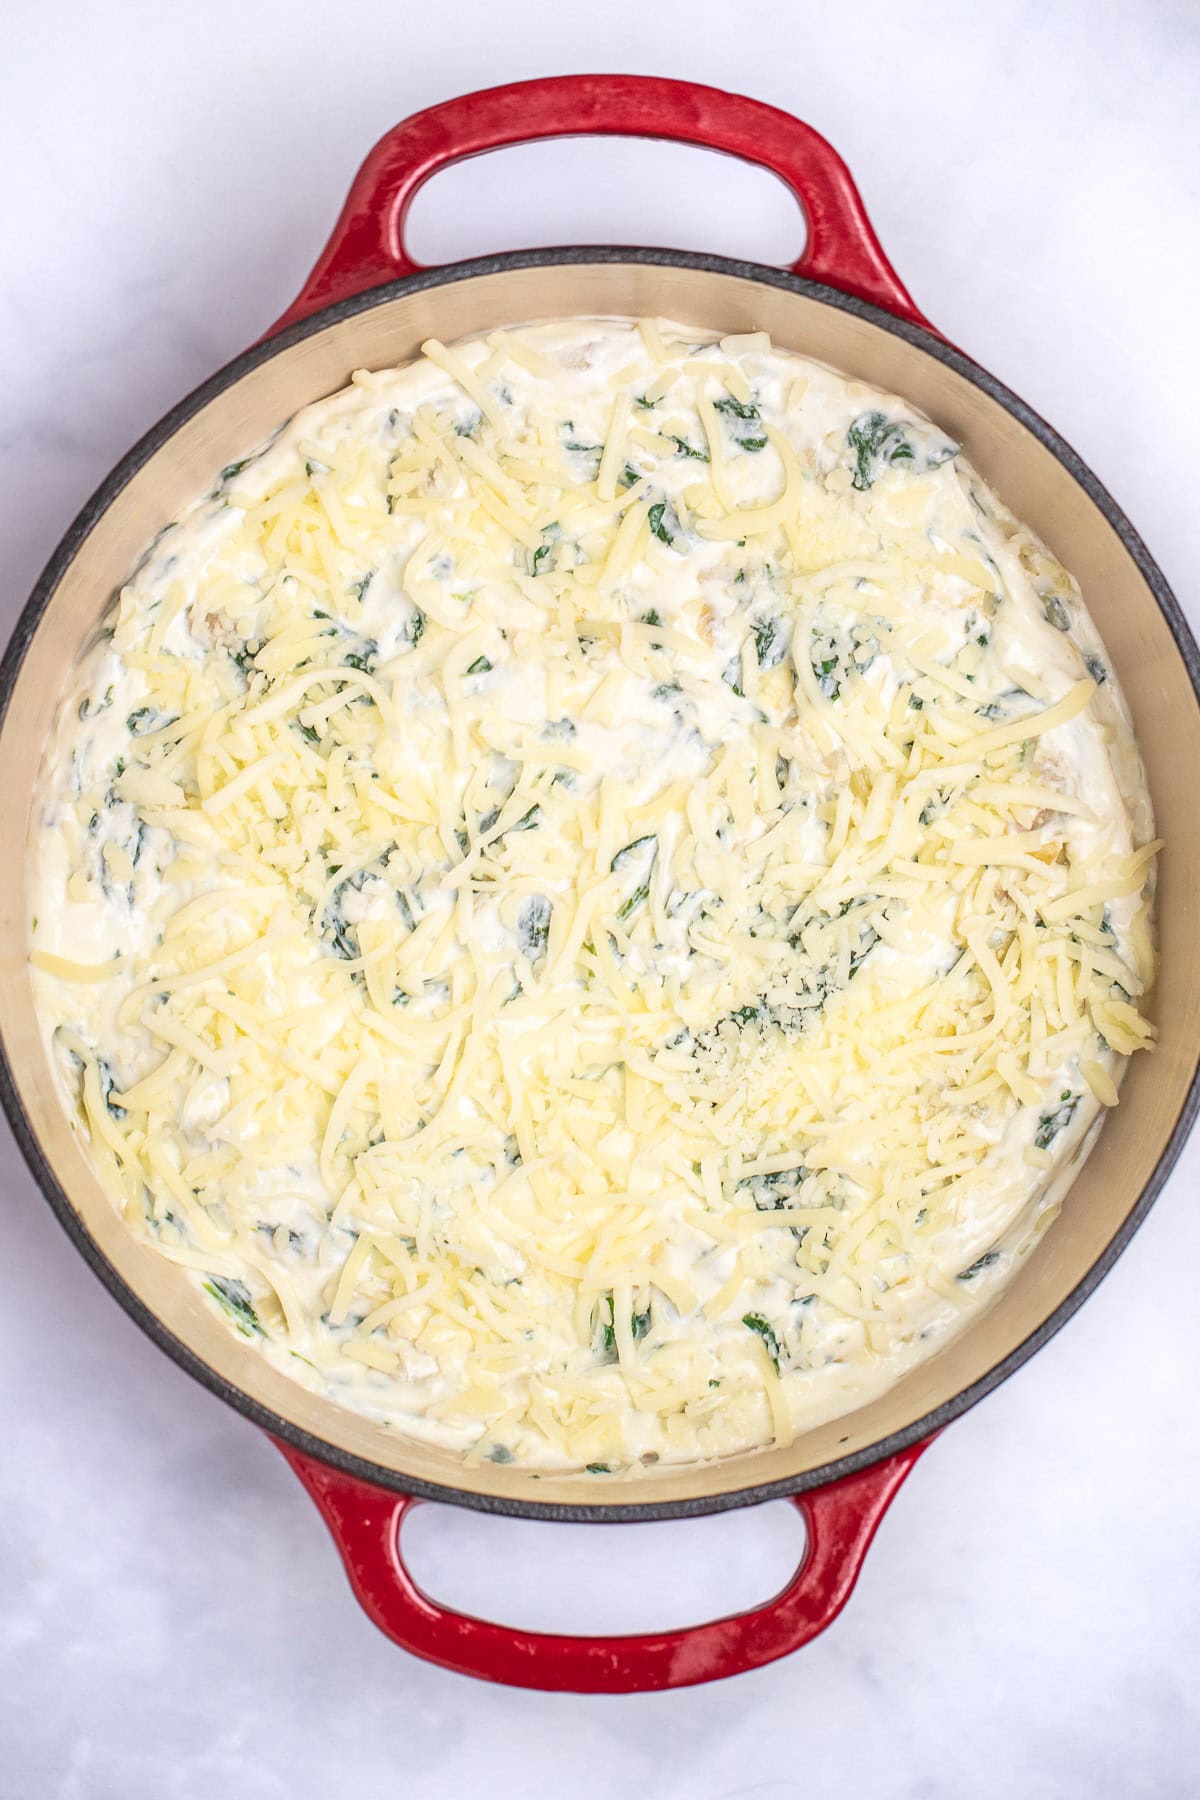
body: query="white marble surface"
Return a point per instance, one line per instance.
(173, 1622)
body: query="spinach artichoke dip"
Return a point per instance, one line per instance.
(593, 893)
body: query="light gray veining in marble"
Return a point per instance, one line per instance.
(173, 1621)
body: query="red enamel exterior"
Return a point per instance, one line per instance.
(365, 1522)
(367, 246)
(367, 250)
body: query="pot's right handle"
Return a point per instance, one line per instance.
(365, 1521)
(367, 246)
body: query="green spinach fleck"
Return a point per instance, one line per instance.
(533, 926)
(1051, 1123)
(769, 641)
(640, 893)
(639, 1325)
(776, 1191)
(1056, 613)
(144, 719)
(622, 856)
(656, 516)
(755, 1322)
(744, 414)
(737, 409)
(233, 1297)
(877, 442)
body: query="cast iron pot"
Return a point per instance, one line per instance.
(367, 304)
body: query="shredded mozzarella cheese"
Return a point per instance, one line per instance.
(556, 902)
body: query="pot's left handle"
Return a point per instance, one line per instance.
(365, 1521)
(367, 246)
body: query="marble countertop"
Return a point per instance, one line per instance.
(174, 1622)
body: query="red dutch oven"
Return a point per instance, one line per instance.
(367, 303)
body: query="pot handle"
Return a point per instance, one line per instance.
(841, 1519)
(367, 246)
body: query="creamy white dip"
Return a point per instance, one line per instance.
(593, 892)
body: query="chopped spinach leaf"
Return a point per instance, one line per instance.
(746, 415)
(481, 666)
(1051, 1123)
(876, 442)
(769, 641)
(533, 926)
(755, 1322)
(827, 681)
(107, 1084)
(979, 1265)
(656, 516)
(86, 708)
(772, 1193)
(640, 893)
(622, 856)
(1056, 612)
(233, 1297)
(639, 1325)
(144, 719)
(737, 409)
(868, 938)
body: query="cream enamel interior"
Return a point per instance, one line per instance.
(1027, 477)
